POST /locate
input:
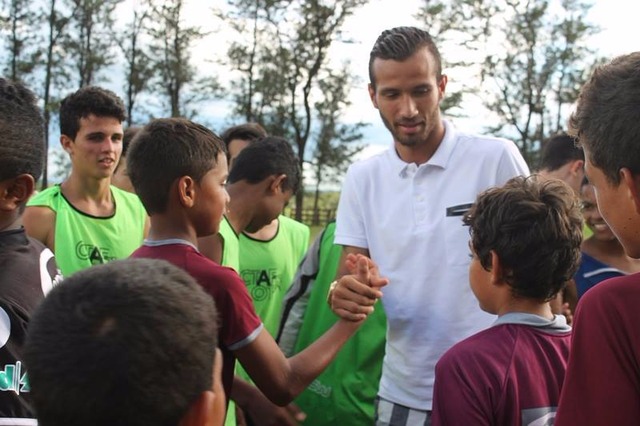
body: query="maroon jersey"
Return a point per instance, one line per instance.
(603, 377)
(508, 375)
(239, 323)
(27, 272)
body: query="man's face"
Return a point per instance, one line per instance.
(96, 149)
(408, 96)
(235, 147)
(617, 207)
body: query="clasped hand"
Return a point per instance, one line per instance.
(354, 295)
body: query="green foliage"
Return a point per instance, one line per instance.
(89, 44)
(284, 73)
(538, 69)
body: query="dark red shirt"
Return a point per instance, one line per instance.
(602, 386)
(239, 323)
(508, 375)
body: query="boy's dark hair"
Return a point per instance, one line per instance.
(535, 228)
(559, 150)
(247, 132)
(22, 129)
(165, 150)
(607, 117)
(86, 101)
(131, 342)
(266, 157)
(399, 44)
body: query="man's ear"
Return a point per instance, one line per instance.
(66, 142)
(16, 191)
(186, 188)
(201, 412)
(576, 166)
(632, 182)
(277, 183)
(372, 95)
(442, 85)
(496, 269)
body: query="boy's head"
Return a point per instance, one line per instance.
(21, 150)
(120, 176)
(269, 162)
(606, 122)
(528, 234)
(89, 100)
(174, 160)
(237, 138)
(91, 131)
(562, 159)
(129, 342)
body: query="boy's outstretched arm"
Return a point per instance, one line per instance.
(282, 379)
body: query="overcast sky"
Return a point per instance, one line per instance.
(617, 19)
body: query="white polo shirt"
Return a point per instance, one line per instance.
(409, 217)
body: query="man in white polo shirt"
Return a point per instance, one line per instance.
(404, 208)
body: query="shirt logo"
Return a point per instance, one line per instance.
(12, 379)
(261, 283)
(96, 255)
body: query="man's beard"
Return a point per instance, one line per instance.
(413, 140)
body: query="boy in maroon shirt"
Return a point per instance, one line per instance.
(179, 170)
(525, 244)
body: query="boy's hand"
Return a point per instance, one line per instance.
(353, 296)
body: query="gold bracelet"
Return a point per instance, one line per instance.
(332, 287)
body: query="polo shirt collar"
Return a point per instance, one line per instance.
(439, 159)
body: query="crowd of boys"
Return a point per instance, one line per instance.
(161, 296)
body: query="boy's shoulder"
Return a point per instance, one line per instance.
(45, 197)
(207, 272)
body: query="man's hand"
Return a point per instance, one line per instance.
(354, 295)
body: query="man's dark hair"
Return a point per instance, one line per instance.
(86, 101)
(165, 150)
(606, 120)
(266, 157)
(535, 228)
(247, 132)
(22, 129)
(399, 44)
(559, 150)
(131, 342)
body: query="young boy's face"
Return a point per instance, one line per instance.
(96, 149)
(617, 207)
(269, 209)
(480, 281)
(212, 200)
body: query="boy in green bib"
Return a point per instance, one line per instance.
(85, 220)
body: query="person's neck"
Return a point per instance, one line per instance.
(526, 306)
(267, 232)
(422, 152)
(10, 221)
(80, 188)
(610, 247)
(241, 205)
(168, 226)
